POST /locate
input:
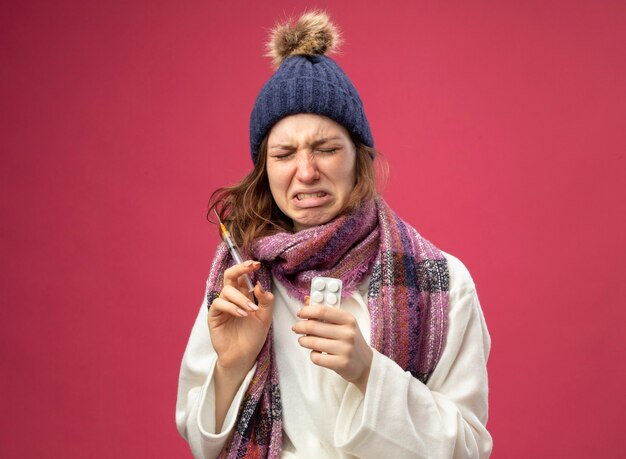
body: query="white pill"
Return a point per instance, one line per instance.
(333, 286)
(317, 297)
(331, 299)
(319, 284)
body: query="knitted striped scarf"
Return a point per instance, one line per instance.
(407, 302)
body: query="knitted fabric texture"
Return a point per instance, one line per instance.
(308, 84)
(407, 302)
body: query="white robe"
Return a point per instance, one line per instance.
(324, 416)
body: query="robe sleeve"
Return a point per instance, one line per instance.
(195, 405)
(400, 417)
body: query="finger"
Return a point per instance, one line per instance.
(328, 360)
(232, 274)
(266, 302)
(307, 300)
(326, 314)
(316, 328)
(222, 306)
(242, 284)
(265, 299)
(328, 346)
(235, 296)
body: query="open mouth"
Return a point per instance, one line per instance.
(301, 196)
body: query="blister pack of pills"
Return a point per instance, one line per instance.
(326, 290)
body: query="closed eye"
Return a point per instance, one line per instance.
(285, 156)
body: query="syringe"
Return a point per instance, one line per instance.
(234, 251)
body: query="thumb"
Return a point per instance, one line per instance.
(266, 302)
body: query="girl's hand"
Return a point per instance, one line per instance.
(336, 342)
(238, 327)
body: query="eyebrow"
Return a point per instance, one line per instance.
(312, 144)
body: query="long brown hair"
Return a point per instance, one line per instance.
(248, 209)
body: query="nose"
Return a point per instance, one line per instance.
(307, 171)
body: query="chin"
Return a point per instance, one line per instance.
(301, 224)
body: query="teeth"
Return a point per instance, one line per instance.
(302, 196)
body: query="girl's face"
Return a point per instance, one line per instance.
(311, 168)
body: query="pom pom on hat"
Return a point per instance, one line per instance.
(307, 81)
(312, 34)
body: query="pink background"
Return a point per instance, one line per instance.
(504, 127)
